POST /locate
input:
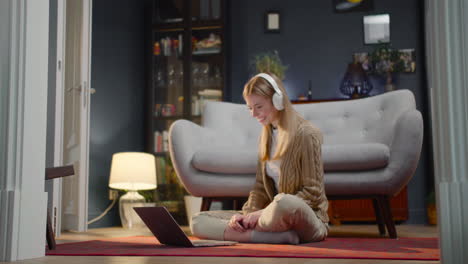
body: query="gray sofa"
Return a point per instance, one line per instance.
(371, 149)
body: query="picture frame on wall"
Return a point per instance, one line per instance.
(376, 29)
(409, 60)
(346, 6)
(272, 22)
(405, 56)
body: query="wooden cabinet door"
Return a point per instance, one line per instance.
(363, 209)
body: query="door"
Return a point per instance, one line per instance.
(76, 109)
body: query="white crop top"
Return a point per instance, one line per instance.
(273, 166)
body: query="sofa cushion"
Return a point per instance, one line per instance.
(226, 160)
(343, 157)
(355, 157)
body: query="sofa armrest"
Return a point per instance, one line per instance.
(405, 150)
(185, 138)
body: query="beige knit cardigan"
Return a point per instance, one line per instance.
(301, 173)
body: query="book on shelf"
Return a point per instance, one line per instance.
(161, 141)
(157, 141)
(165, 140)
(161, 170)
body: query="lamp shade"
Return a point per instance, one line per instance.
(133, 171)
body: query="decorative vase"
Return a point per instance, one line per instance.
(128, 217)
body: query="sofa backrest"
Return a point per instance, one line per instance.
(369, 119)
(232, 124)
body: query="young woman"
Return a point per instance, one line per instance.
(288, 202)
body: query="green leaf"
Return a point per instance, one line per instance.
(269, 62)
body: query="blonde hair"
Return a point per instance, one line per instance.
(288, 118)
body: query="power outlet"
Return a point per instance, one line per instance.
(113, 194)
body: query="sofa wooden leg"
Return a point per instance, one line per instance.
(384, 202)
(206, 203)
(378, 216)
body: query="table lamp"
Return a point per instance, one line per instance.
(355, 83)
(132, 171)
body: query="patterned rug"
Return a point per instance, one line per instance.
(333, 247)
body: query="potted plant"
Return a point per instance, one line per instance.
(387, 61)
(269, 62)
(431, 208)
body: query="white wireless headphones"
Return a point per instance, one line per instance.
(278, 95)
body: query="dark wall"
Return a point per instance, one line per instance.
(117, 116)
(317, 44)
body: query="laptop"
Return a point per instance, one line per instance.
(168, 232)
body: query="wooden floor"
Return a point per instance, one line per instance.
(341, 231)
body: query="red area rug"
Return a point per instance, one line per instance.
(339, 248)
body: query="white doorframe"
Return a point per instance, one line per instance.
(88, 14)
(82, 210)
(58, 143)
(23, 201)
(85, 114)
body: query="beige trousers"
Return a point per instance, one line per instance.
(285, 212)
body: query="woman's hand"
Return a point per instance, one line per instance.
(250, 220)
(236, 223)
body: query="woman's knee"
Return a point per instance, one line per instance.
(281, 214)
(288, 203)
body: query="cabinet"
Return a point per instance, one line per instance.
(362, 210)
(186, 66)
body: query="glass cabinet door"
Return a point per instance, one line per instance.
(167, 95)
(168, 74)
(207, 68)
(167, 84)
(178, 94)
(186, 67)
(167, 69)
